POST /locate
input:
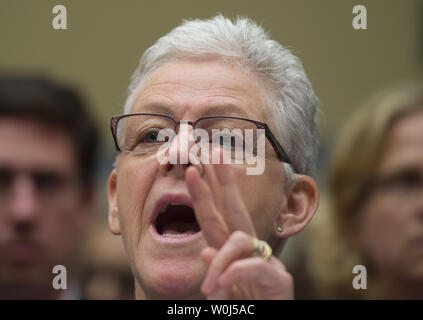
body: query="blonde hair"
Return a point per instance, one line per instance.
(356, 156)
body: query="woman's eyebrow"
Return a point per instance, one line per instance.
(216, 110)
(224, 110)
(155, 108)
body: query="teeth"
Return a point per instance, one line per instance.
(177, 235)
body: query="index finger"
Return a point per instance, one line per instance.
(212, 225)
(234, 211)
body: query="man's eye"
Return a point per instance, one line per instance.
(5, 179)
(48, 181)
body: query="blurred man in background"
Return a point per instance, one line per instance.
(48, 145)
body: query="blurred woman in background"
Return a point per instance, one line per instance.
(373, 215)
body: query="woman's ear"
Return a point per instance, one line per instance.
(301, 204)
(114, 225)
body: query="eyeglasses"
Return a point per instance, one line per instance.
(138, 132)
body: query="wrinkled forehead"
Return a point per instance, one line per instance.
(200, 87)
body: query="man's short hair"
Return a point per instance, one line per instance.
(54, 105)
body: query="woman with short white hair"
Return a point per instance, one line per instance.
(203, 229)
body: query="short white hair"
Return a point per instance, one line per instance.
(292, 104)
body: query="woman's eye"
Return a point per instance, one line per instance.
(405, 181)
(227, 140)
(408, 181)
(149, 136)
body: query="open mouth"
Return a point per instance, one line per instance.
(176, 220)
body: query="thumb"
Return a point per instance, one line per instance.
(208, 254)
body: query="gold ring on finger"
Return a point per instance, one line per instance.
(262, 248)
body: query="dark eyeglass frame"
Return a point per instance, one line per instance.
(280, 152)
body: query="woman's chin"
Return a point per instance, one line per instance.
(175, 281)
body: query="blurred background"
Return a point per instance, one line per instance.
(105, 39)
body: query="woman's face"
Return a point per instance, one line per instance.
(391, 229)
(169, 266)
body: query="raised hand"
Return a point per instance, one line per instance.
(233, 270)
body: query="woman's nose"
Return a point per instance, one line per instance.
(178, 154)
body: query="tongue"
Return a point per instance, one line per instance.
(180, 228)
